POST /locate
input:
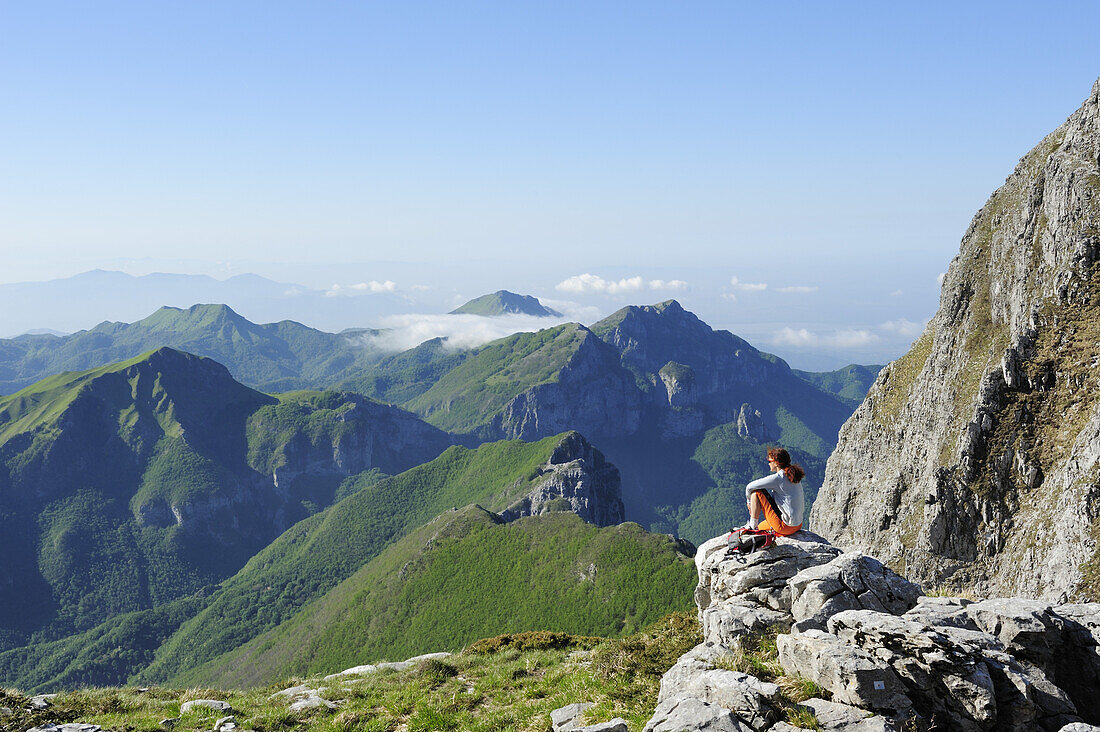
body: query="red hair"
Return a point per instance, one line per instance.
(782, 458)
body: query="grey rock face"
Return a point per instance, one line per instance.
(592, 394)
(567, 718)
(987, 431)
(742, 594)
(852, 581)
(577, 478)
(750, 424)
(844, 718)
(690, 713)
(852, 675)
(695, 676)
(962, 675)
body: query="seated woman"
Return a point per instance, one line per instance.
(778, 496)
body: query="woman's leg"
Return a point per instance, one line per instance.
(754, 507)
(772, 519)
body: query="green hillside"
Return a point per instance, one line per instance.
(318, 553)
(127, 487)
(272, 357)
(850, 383)
(401, 377)
(503, 302)
(467, 396)
(466, 575)
(89, 463)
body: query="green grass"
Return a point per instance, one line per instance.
(475, 691)
(467, 574)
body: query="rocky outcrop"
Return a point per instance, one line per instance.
(976, 456)
(576, 478)
(591, 393)
(888, 657)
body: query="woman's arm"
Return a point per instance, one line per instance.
(763, 483)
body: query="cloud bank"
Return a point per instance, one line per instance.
(802, 338)
(402, 332)
(373, 287)
(590, 283)
(748, 286)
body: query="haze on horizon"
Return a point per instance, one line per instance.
(591, 155)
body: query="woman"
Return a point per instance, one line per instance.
(779, 496)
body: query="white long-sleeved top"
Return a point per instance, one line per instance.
(788, 496)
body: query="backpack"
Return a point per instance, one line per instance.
(747, 541)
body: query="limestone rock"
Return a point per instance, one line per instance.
(852, 581)
(214, 704)
(962, 675)
(751, 425)
(852, 675)
(694, 675)
(578, 475)
(567, 718)
(739, 595)
(691, 713)
(618, 724)
(313, 701)
(974, 456)
(844, 718)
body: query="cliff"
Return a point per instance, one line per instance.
(973, 460)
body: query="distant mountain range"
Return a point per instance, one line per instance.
(67, 305)
(503, 302)
(644, 382)
(133, 495)
(157, 504)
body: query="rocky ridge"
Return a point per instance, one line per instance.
(974, 462)
(883, 655)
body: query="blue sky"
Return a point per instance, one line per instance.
(467, 147)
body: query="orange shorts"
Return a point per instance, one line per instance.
(771, 516)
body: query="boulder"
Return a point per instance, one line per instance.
(567, 718)
(852, 581)
(742, 594)
(834, 717)
(956, 674)
(850, 674)
(690, 713)
(1028, 628)
(618, 724)
(695, 675)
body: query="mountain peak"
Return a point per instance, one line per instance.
(503, 302)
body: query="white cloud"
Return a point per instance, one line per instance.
(797, 288)
(402, 332)
(748, 286)
(729, 296)
(896, 293)
(573, 311)
(802, 338)
(583, 283)
(903, 327)
(373, 287)
(940, 277)
(586, 283)
(667, 285)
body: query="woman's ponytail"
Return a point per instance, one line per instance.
(782, 458)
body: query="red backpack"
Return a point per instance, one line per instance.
(746, 541)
